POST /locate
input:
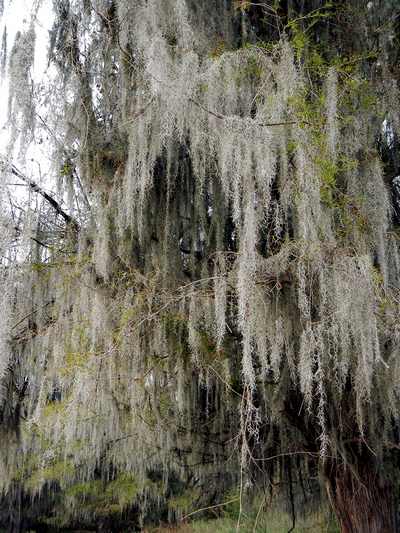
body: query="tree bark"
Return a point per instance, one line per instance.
(361, 499)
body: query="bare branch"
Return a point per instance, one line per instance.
(54, 204)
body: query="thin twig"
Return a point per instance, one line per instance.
(210, 507)
(260, 124)
(224, 382)
(31, 313)
(139, 113)
(265, 459)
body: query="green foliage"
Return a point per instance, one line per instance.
(86, 490)
(105, 498)
(299, 39)
(328, 171)
(242, 5)
(54, 409)
(183, 503)
(358, 93)
(123, 490)
(57, 471)
(218, 49)
(251, 71)
(299, 31)
(67, 168)
(309, 111)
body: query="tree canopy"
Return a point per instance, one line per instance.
(201, 295)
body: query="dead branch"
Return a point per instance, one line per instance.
(49, 199)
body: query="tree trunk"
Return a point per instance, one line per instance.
(362, 501)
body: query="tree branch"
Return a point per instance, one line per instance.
(54, 204)
(260, 124)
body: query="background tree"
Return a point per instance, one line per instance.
(225, 271)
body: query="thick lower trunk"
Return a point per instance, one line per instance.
(362, 501)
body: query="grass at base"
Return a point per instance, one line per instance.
(270, 522)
